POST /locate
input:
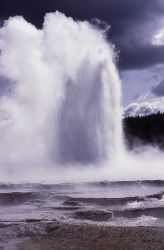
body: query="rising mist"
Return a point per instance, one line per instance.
(61, 119)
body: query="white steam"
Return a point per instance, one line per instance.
(63, 107)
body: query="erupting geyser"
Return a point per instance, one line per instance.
(63, 106)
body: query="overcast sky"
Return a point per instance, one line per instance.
(137, 30)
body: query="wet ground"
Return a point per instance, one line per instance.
(37, 209)
(114, 203)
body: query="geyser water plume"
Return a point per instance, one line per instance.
(63, 106)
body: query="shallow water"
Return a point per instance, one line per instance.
(112, 203)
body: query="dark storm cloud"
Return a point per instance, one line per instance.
(130, 20)
(141, 57)
(159, 89)
(108, 10)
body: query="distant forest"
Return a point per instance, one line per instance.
(144, 130)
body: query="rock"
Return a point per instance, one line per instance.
(70, 202)
(157, 212)
(93, 215)
(16, 198)
(32, 220)
(66, 208)
(155, 196)
(102, 201)
(50, 228)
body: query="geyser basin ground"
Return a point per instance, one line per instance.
(112, 203)
(115, 214)
(60, 236)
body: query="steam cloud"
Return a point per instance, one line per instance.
(61, 106)
(147, 107)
